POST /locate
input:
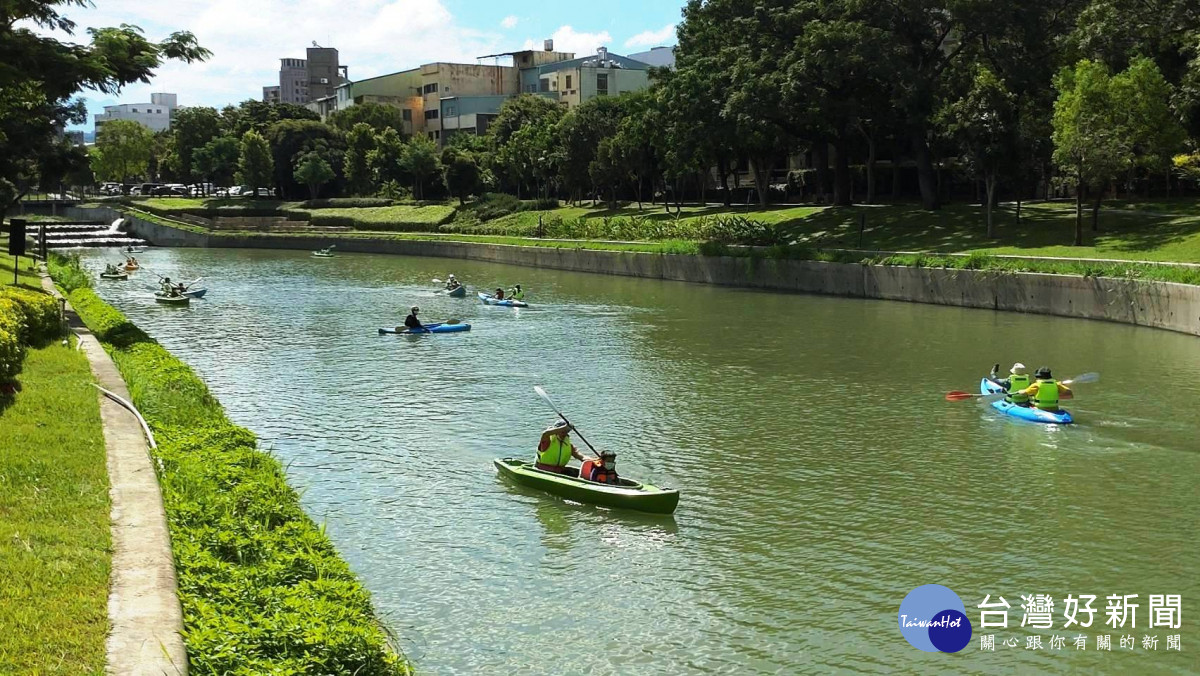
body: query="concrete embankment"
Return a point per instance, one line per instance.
(1164, 305)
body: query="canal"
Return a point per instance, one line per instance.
(823, 476)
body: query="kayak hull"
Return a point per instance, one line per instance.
(121, 276)
(491, 300)
(630, 495)
(460, 292)
(317, 254)
(1060, 417)
(195, 293)
(172, 300)
(433, 328)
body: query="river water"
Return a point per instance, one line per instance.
(822, 474)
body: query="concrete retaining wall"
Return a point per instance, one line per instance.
(1164, 305)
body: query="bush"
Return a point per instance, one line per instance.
(261, 586)
(495, 205)
(346, 202)
(40, 314)
(12, 350)
(68, 272)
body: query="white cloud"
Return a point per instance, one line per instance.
(663, 36)
(509, 21)
(248, 37)
(567, 39)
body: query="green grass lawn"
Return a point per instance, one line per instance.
(54, 520)
(26, 275)
(1160, 231)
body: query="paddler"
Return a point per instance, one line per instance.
(602, 471)
(516, 293)
(412, 323)
(452, 283)
(110, 269)
(499, 294)
(167, 288)
(1015, 384)
(555, 449)
(1046, 392)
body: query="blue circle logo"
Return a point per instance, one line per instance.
(932, 618)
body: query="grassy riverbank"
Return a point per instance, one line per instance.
(54, 546)
(262, 588)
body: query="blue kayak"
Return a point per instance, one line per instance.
(430, 328)
(1059, 417)
(491, 300)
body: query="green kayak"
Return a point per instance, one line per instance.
(628, 495)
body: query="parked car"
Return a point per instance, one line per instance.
(170, 191)
(147, 189)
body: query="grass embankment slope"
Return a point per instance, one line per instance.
(55, 549)
(262, 588)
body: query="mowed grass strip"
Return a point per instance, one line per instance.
(55, 549)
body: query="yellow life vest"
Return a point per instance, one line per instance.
(1047, 395)
(1016, 383)
(557, 453)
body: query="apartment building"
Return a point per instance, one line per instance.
(308, 79)
(156, 115)
(401, 90)
(574, 81)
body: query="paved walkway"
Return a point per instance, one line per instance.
(145, 637)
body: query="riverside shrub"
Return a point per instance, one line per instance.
(40, 314)
(262, 588)
(12, 350)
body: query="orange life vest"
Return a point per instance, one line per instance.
(594, 471)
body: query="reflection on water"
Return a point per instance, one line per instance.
(822, 475)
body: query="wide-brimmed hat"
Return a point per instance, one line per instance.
(1018, 369)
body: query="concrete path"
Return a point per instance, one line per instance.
(145, 638)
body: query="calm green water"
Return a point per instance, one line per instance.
(823, 476)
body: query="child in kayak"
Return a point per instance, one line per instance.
(602, 471)
(499, 294)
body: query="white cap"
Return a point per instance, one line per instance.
(1018, 369)
(451, 276)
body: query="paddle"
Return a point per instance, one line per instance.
(542, 393)
(194, 281)
(959, 395)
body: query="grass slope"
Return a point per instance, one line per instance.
(54, 524)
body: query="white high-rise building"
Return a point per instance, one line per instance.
(156, 115)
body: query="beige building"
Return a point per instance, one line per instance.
(445, 80)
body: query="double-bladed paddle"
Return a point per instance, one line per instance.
(959, 395)
(542, 393)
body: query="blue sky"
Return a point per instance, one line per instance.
(248, 37)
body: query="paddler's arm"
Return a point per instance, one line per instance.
(1063, 389)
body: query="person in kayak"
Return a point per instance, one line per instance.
(499, 294)
(516, 293)
(1015, 384)
(602, 471)
(168, 289)
(1046, 392)
(555, 449)
(452, 283)
(411, 321)
(110, 269)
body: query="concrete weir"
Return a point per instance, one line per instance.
(1163, 305)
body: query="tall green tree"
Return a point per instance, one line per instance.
(462, 173)
(126, 147)
(522, 111)
(313, 171)
(985, 123)
(360, 141)
(1144, 97)
(386, 159)
(217, 161)
(191, 129)
(289, 139)
(375, 115)
(255, 164)
(40, 75)
(1091, 145)
(420, 159)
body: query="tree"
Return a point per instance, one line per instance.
(313, 171)
(375, 115)
(1144, 99)
(462, 173)
(191, 129)
(40, 75)
(255, 166)
(126, 147)
(360, 141)
(290, 138)
(420, 160)
(386, 159)
(1090, 143)
(985, 123)
(522, 111)
(576, 138)
(217, 161)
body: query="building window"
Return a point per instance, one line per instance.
(135, 110)
(450, 112)
(431, 114)
(437, 134)
(544, 84)
(601, 84)
(431, 88)
(406, 115)
(568, 82)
